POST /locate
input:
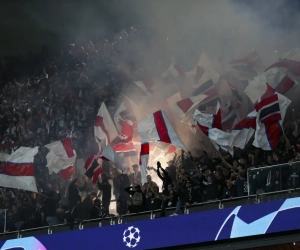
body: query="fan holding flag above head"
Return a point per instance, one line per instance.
(156, 127)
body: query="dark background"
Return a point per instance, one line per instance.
(28, 24)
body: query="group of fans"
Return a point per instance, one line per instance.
(47, 98)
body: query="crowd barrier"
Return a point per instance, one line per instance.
(273, 178)
(261, 188)
(150, 215)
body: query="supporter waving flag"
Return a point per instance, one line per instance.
(243, 131)
(67, 173)
(157, 127)
(109, 154)
(184, 108)
(208, 121)
(104, 127)
(92, 168)
(290, 64)
(210, 125)
(61, 155)
(268, 109)
(271, 113)
(272, 78)
(18, 171)
(230, 119)
(144, 157)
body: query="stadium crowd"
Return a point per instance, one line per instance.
(47, 98)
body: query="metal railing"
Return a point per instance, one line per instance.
(263, 180)
(148, 215)
(263, 183)
(3, 217)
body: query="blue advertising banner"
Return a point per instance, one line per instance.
(247, 220)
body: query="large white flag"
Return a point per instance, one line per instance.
(18, 171)
(61, 155)
(157, 127)
(104, 127)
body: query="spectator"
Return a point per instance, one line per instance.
(152, 203)
(171, 169)
(231, 190)
(138, 199)
(80, 212)
(50, 208)
(170, 199)
(105, 187)
(135, 178)
(294, 181)
(164, 176)
(73, 193)
(97, 211)
(211, 189)
(123, 198)
(190, 194)
(68, 90)
(147, 186)
(220, 183)
(241, 184)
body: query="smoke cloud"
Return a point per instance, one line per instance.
(223, 29)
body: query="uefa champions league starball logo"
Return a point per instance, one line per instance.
(131, 237)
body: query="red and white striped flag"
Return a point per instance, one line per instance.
(93, 168)
(104, 127)
(18, 171)
(274, 78)
(243, 131)
(230, 118)
(210, 125)
(61, 155)
(236, 94)
(67, 173)
(144, 157)
(186, 107)
(248, 65)
(268, 131)
(208, 121)
(157, 127)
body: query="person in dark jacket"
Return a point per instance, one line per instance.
(211, 189)
(123, 195)
(164, 176)
(152, 203)
(80, 211)
(50, 208)
(171, 169)
(170, 199)
(105, 187)
(231, 191)
(97, 211)
(138, 199)
(74, 193)
(190, 194)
